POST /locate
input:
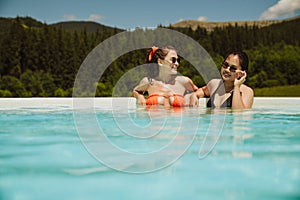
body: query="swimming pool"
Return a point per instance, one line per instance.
(42, 155)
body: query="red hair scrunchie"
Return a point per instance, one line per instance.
(153, 50)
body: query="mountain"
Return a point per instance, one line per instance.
(90, 26)
(210, 26)
(6, 23)
(28, 22)
(80, 25)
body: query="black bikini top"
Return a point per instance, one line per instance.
(227, 103)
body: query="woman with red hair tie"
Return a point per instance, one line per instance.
(164, 85)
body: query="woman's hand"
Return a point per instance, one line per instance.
(141, 99)
(240, 78)
(194, 101)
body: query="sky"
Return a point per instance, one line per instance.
(129, 14)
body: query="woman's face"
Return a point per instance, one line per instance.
(171, 62)
(230, 67)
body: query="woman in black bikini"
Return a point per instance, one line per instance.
(230, 90)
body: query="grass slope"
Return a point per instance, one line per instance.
(278, 91)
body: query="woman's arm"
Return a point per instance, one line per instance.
(189, 85)
(242, 95)
(142, 87)
(203, 92)
(140, 98)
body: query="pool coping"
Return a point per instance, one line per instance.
(105, 102)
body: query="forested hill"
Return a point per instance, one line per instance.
(42, 60)
(209, 26)
(80, 25)
(28, 22)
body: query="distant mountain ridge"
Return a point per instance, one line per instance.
(210, 26)
(6, 23)
(90, 26)
(28, 22)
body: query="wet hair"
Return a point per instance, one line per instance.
(153, 55)
(243, 58)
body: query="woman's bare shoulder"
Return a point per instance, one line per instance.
(244, 88)
(144, 80)
(182, 78)
(214, 82)
(143, 84)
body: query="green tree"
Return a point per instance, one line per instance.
(13, 85)
(31, 83)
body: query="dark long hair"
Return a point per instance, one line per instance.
(153, 55)
(243, 58)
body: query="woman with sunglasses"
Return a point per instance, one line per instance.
(230, 90)
(164, 85)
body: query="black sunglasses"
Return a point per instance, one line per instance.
(173, 60)
(232, 68)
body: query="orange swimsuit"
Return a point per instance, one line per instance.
(178, 100)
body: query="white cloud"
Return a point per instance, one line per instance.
(281, 9)
(95, 17)
(69, 17)
(202, 18)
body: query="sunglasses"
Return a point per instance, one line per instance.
(232, 68)
(173, 60)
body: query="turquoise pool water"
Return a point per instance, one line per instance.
(257, 155)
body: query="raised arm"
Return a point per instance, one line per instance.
(242, 95)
